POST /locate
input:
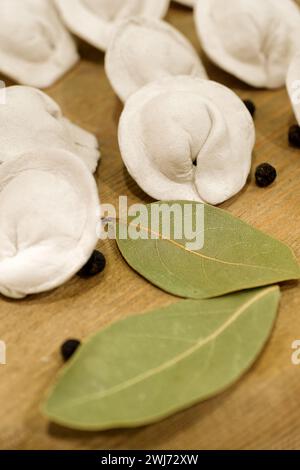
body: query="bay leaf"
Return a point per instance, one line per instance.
(235, 256)
(146, 367)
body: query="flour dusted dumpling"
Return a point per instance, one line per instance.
(251, 39)
(146, 49)
(49, 211)
(293, 85)
(187, 138)
(95, 20)
(35, 47)
(30, 118)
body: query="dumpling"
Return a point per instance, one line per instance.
(95, 20)
(143, 50)
(251, 39)
(31, 118)
(293, 85)
(146, 49)
(187, 138)
(35, 47)
(49, 211)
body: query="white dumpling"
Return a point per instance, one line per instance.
(35, 47)
(30, 118)
(49, 211)
(146, 49)
(251, 39)
(187, 138)
(95, 20)
(293, 85)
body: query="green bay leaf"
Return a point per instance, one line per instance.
(146, 367)
(235, 256)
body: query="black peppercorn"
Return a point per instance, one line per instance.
(95, 265)
(250, 106)
(294, 136)
(265, 175)
(68, 348)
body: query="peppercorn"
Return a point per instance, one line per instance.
(68, 348)
(265, 175)
(95, 265)
(294, 136)
(250, 106)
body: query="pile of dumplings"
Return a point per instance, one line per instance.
(181, 135)
(49, 205)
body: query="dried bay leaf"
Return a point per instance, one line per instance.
(235, 257)
(146, 367)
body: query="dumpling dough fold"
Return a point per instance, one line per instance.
(31, 118)
(146, 49)
(187, 138)
(49, 211)
(95, 20)
(293, 85)
(35, 47)
(251, 39)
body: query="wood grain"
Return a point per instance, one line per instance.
(262, 410)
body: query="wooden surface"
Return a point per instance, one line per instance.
(262, 410)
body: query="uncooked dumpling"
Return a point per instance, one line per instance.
(30, 118)
(95, 20)
(293, 85)
(146, 49)
(49, 211)
(187, 138)
(35, 47)
(251, 39)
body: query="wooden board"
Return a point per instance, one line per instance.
(262, 410)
